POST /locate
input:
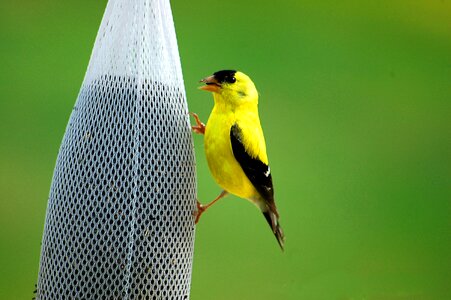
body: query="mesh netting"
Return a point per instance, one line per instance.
(119, 221)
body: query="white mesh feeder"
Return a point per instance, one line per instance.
(119, 221)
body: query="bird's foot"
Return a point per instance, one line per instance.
(200, 210)
(199, 127)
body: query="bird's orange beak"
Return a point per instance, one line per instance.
(211, 84)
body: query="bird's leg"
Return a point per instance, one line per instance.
(199, 127)
(202, 208)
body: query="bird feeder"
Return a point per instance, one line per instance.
(119, 221)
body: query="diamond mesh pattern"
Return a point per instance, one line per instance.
(119, 221)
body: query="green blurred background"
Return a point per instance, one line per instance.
(356, 107)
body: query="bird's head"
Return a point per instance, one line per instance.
(232, 86)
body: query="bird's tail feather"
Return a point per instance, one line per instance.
(272, 217)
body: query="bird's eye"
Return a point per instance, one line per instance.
(232, 80)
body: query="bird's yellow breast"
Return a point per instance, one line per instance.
(222, 163)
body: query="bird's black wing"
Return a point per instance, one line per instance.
(258, 172)
(260, 176)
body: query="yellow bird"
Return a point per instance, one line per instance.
(235, 146)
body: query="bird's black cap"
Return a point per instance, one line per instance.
(225, 76)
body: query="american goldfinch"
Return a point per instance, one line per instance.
(235, 145)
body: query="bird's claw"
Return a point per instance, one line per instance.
(202, 208)
(199, 212)
(199, 128)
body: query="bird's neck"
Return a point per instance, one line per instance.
(224, 106)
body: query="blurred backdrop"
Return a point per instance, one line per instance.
(355, 101)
